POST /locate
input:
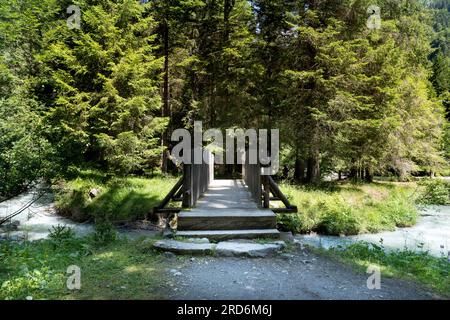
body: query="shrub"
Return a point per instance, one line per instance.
(349, 209)
(104, 231)
(435, 191)
(289, 222)
(338, 218)
(61, 233)
(399, 211)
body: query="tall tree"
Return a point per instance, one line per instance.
(104, 104)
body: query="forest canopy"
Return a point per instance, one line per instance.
(346, 97)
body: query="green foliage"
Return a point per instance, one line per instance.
(338, 218)
(119, 199)
(418, 266)
(349, 209)
(24, 154)
(434, 191)
(104, 79)
(345, 97)
(37, 270)
(354, 98)
(104, 231)
(61, 233)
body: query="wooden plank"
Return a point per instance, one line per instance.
(187, 186)
(166, 210)
(291, 209)
(266, 194)
(171, 193)
(277, 192)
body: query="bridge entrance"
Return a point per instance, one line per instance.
(237, 207)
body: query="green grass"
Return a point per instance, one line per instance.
(420, 267)
(349, 208)
(434, 191)
(123, 269)
(121, 198)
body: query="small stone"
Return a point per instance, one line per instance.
(169, 255)
(244, 249)
(192, 259)
(287, 236)
(123, 287)
(286, 256)
(29, 298)
(198, 240)
(306, 261)
(147, 241)
(12, 226)
(94, 192)
(181, 247)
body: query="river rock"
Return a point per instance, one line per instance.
(198, 240)
(287, 236)
(184, 247)
(94, 192)
(252, 250)
(169, 255)
(11, 226)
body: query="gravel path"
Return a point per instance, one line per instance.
(298, 275)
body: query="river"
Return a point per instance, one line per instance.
(432, 231)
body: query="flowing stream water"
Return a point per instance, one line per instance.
(36, 220)
(432, 231)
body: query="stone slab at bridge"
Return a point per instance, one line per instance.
(224, 209)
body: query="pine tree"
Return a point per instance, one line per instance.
(105, 77)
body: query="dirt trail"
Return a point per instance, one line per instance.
(298, 275)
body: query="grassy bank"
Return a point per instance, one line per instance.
(349, 208)
(420, 267)
(123, 269)
(120, 198)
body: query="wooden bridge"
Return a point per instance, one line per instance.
(224, 209)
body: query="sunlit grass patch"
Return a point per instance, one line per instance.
(350, 208)
(119, 270)
(120, 198)
(433, 272)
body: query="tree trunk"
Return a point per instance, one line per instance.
(368, 175)
(299, 170)
(166, 105)
(339, 175)
(353, 170)
(313, 169)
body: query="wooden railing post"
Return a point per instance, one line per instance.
(266, 195)
(187, 186)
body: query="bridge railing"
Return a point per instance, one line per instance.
(196, 179)
(251, 174)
